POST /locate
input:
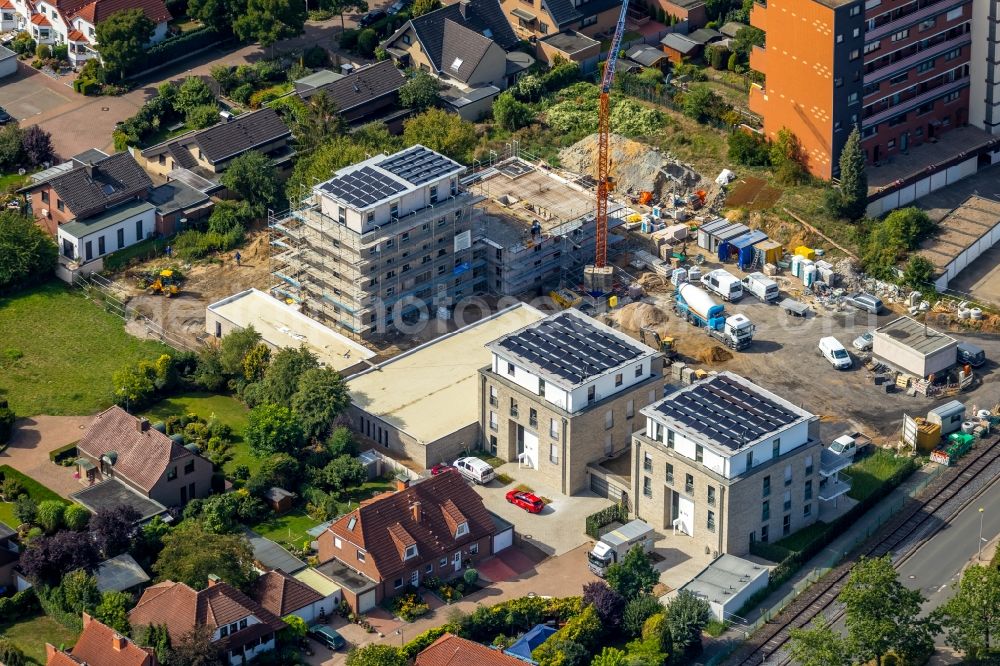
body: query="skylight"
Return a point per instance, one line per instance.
(488, 33)
(457, 64)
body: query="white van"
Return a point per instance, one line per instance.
(835, 353)
(723, 283)
(475, 470)
(761, 286)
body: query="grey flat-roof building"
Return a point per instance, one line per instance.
(915, 348)
(727, 583)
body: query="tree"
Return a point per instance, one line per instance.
(122, 39)
(340, 474)
(79, 592)
(819, 645)
(610, 656)
(511, 114)
(50, 515)
(637, 611)
(234, 348)
(853, 177)
(230, 217)
(698, 102)
(192, 94)
(319, 119)
(253, 177)
(113, 611)
(114, 528)
(442, 131)
(367, 41)
(157, 637)
(420, 92)
(563, 652)
(421, 7)
(191, 553)
(340, 442)
(528, 88)
(11, 150)
(748, 148)
(272, 429)
(918, 272)
(281, 380)
(25, 509)
(215, 14)
(331, 155)
(75, 517)
(10, 654)
(971, 618)
(255, 363)
(606, 601)
(341, 7)
(747, 38)
(320, 398)
(267, 21)
(376, 655)
(634, 575)
(201, 117)
(582, 630)
(196, 648)
(788, 158)
(27, 253)
(685, 618)
(47, 557)
(881, 614)
(297, 627)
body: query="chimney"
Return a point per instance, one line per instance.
(402, 482)
(118, 642)
(415, 510)
(90, 170)
(212, 580)
(463, 8)
(142, 424)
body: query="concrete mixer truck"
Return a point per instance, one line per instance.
(694, 304)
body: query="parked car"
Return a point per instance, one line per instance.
(371, 17)
(396, 7)
(5, 117)
(835, 353)
(866, 302)
(441, 468)
(475, 470)
(528, 501)
(863, 342)
(971, 354)
(327, 636)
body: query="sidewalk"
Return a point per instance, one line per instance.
(838, 549)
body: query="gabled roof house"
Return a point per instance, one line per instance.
(100, 645)
(367, 94)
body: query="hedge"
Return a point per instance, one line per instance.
(175, 48)
(35, 490)
(604, 517)
(420, 643)
(516, 616)
(22, 604)
(63, 453)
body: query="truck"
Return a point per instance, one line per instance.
(853, 446)
(700, 309)
(723, 283)
(613, 546)
(761, 286)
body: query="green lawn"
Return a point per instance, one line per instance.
(59, 350)
(36, 491)
(870, 473)
(11, 181)
(362, 492)
(798, 541)
(288, 529)
(32, 635)
(7, 514)
(206, 405)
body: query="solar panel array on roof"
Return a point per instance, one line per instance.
(363, 187)
(726, 412)
(569, 348)
(419, 165)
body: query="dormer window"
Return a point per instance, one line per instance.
(461, 530)
(411, 552)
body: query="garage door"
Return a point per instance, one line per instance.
(503, 540)
(600, 487)
(366, 601)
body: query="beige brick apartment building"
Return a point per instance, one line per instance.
(726, 462)
(564, 392)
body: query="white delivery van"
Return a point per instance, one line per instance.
(723, 283)
(835, 353)
(761, 286)
(475, 470)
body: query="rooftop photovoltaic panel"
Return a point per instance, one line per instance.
(726, 412)
(363, 187)
(419, 165)
(569, 348)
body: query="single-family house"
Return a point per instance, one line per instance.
(452, 650)
(570, 45)
(93, 207)
(433, 528)
(533, 20)
(100, 645)
(124, 449)
(285, 595)
(365, 95)
(208, 152)
(241, 628)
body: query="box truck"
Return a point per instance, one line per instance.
(613, 546)
(697, 306)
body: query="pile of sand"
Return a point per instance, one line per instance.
(652, 282)
(713, 355)
(636, 166)
(636, 316)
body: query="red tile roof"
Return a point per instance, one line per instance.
(100, 645)
(450, 650)
(76, 36)
(142, 455)
(181, 608)
(281, 594)
(39, 19)
(6, 4)
(97, 11)
(384, 525)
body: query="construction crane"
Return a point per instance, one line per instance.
(604, 181)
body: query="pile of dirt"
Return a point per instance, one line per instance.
(636, 166)
(713, 355)
(653, 282)
(636, 316)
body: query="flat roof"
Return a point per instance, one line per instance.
(724, 578)
(569, 348)
(429, 391)
(727, 411)
(319, 78)
(316, 581)
(345, 577)
(922, 339)
(113, 492)
(570, 41)
(959, 230)
(174, 196)
(282, 326)
(109, 218)
(272, 555)
(119, 574)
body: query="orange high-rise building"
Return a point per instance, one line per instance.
(898, 69)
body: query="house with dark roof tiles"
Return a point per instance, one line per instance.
(436, 527)
(367, 94)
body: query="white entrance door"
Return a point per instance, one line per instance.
(456, 560)
(415, 579)
(685, 516)
(530, 455)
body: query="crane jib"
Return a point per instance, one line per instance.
(616, 41)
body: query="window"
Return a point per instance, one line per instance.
(855, 10)
(88, 250)
(776, 448)
(618, 379)
(361, 556)
(494, 398)
(764, 533)
(188, 467)
(630, 409)
(494, 421)
(554, 428)
(100, 246)
(406, 39)
(788, 475)
(852, 98)
(337, 542)
(809, 465)
(121, 238)
(710, 523)
(461, 530)
(398, 583)
(647, 486)
(902, 34)
(243, 623)
(749, 459)
(341, 214)
(443, 562)
(787, 500)
(434, 193)
(699, 453)
(513, 408)
(554, 454)
(138, 230)
(473, 549)
(670, 438)
(638, 371)
(591, 394)
(838, 81)
(900, 78)
(953, 14)
(510, 369)
(689, 484)
(670, 474)
(172, 473)
(840, 39)
(855, 54)
(856, 33)
(807, 494)
(951, 97)
(429, 569)
(837, 126)
(60, 205)
(871, 47)
(224, 631)
(711, 495)
(45, 196)
(541, 387)
(897, 120)
(647, 463)
(765, 511)
(927, 24)
(925, 66)
(533, 417)
(411, 552)
(609, 419)
(766, 488)
(543, 28)
(786, 525)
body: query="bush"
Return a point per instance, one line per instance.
(50, 515)
(23, 604)
(638, 611)
(516, 616)
(367, 41)
(583, 629)
(604, 517)
(315, 57)
(262, 97)
(409, 606)
(175, 48)
(43, 52)
(241, 93)
(420, 643)
(202, 116)
(748, 148)
(192, 245)
(76, 517)
(60, 52)
(470, 576)
(719, 57)
(349, 39)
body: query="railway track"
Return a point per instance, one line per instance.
(910, 521)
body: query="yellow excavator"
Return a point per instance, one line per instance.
(664, 344)
(165, 282)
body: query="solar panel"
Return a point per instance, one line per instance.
(363, 187)
(570, 348)
(419, 165)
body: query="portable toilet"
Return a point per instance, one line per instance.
(949, 416)
(694, 274)
(797, 265)
(808, 273)
(657, 212)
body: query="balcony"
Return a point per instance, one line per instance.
(920, 53)
(757, 102)
(830, 463)
(911, 19)
(758, 59)
(832, 487)
(912, 103)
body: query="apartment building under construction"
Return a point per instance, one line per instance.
(386, 240)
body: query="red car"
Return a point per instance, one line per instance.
(441, 468)
(527, 501)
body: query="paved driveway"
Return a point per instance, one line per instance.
(29, 93)
(28, 452)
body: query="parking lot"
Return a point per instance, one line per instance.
(29, 93)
